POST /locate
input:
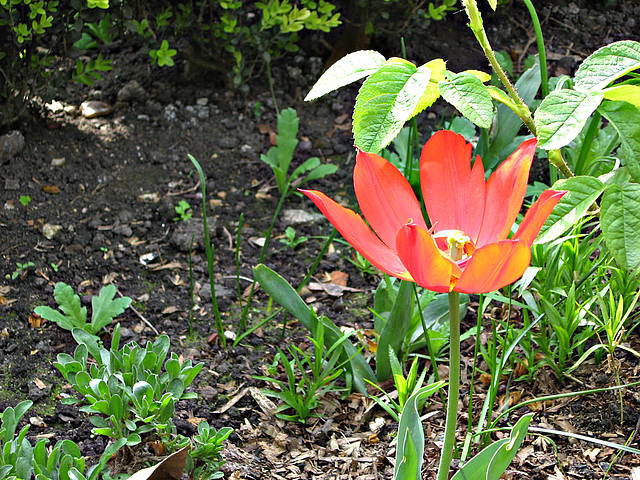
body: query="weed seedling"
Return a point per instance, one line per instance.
(183, 209)
(25, 200)
(21, 270)
(290, 240)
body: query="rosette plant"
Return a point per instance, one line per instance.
(465, 249)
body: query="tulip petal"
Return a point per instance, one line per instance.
(537, 215)
(426, 263)
(453, 192)
(385, 197)
(355, 231)
(494, 266)
(506, 188)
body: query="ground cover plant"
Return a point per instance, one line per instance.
(554, 324)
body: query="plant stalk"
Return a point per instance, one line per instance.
(477, 27)
(542, 54)
(521, 108)
(454, 388)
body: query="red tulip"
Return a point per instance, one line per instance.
(467, 248)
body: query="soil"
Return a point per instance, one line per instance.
(103, 192)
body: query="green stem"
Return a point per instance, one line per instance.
(555, 157)
(592, 133)
(475, 23)
(542, 55)
(454, 388)
(521, 108)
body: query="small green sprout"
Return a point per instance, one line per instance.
(183, 209)
(163, 55)
(21, 270)
(25, 200)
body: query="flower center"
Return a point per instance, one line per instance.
(459, 244)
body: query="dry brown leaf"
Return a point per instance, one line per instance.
(39, 383)
(51, 189)
(264, 128)
(166, 266)
(34, 320)
(339, 278)
(171, 468)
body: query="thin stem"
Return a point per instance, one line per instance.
(521, 108)
(542, 55)
(454, 388)
(427, 339)
(475, 23)
(592, 133)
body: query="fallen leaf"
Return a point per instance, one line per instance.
(171, 468)
(265, 128)
(35, 320)
(39, 383)
(169, 310)
(51, 189)
(339, 278)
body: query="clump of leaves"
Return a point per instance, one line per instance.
(303, 394)
(71, 315)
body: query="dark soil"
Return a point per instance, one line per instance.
(117, 179)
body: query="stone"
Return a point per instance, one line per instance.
(94, 108)
(11, 144)
(132, 92)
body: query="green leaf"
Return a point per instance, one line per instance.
(562, 115)
(493, 4)
(105, 308)
(431, 94)
(408, 465)
(69, 303)
(470, 97)
(387, 99)
(608, 64)
(492, 462)
(625, 118)
(348, 69)
(582, 192)
(626, 93)
(395, 330)
(411, 436)
(620, 219)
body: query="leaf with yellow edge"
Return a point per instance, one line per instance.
(483, 76)
(493, 4)
(626, 93)
(431, 94)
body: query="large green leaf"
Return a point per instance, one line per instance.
(347, 70)
(395, 330)
(582, 192)
(492, 462)
(387, 99)
(620, 219)
(608, 64)
(562, 115)
(625, 118)
(470, 97)
(411, 436)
